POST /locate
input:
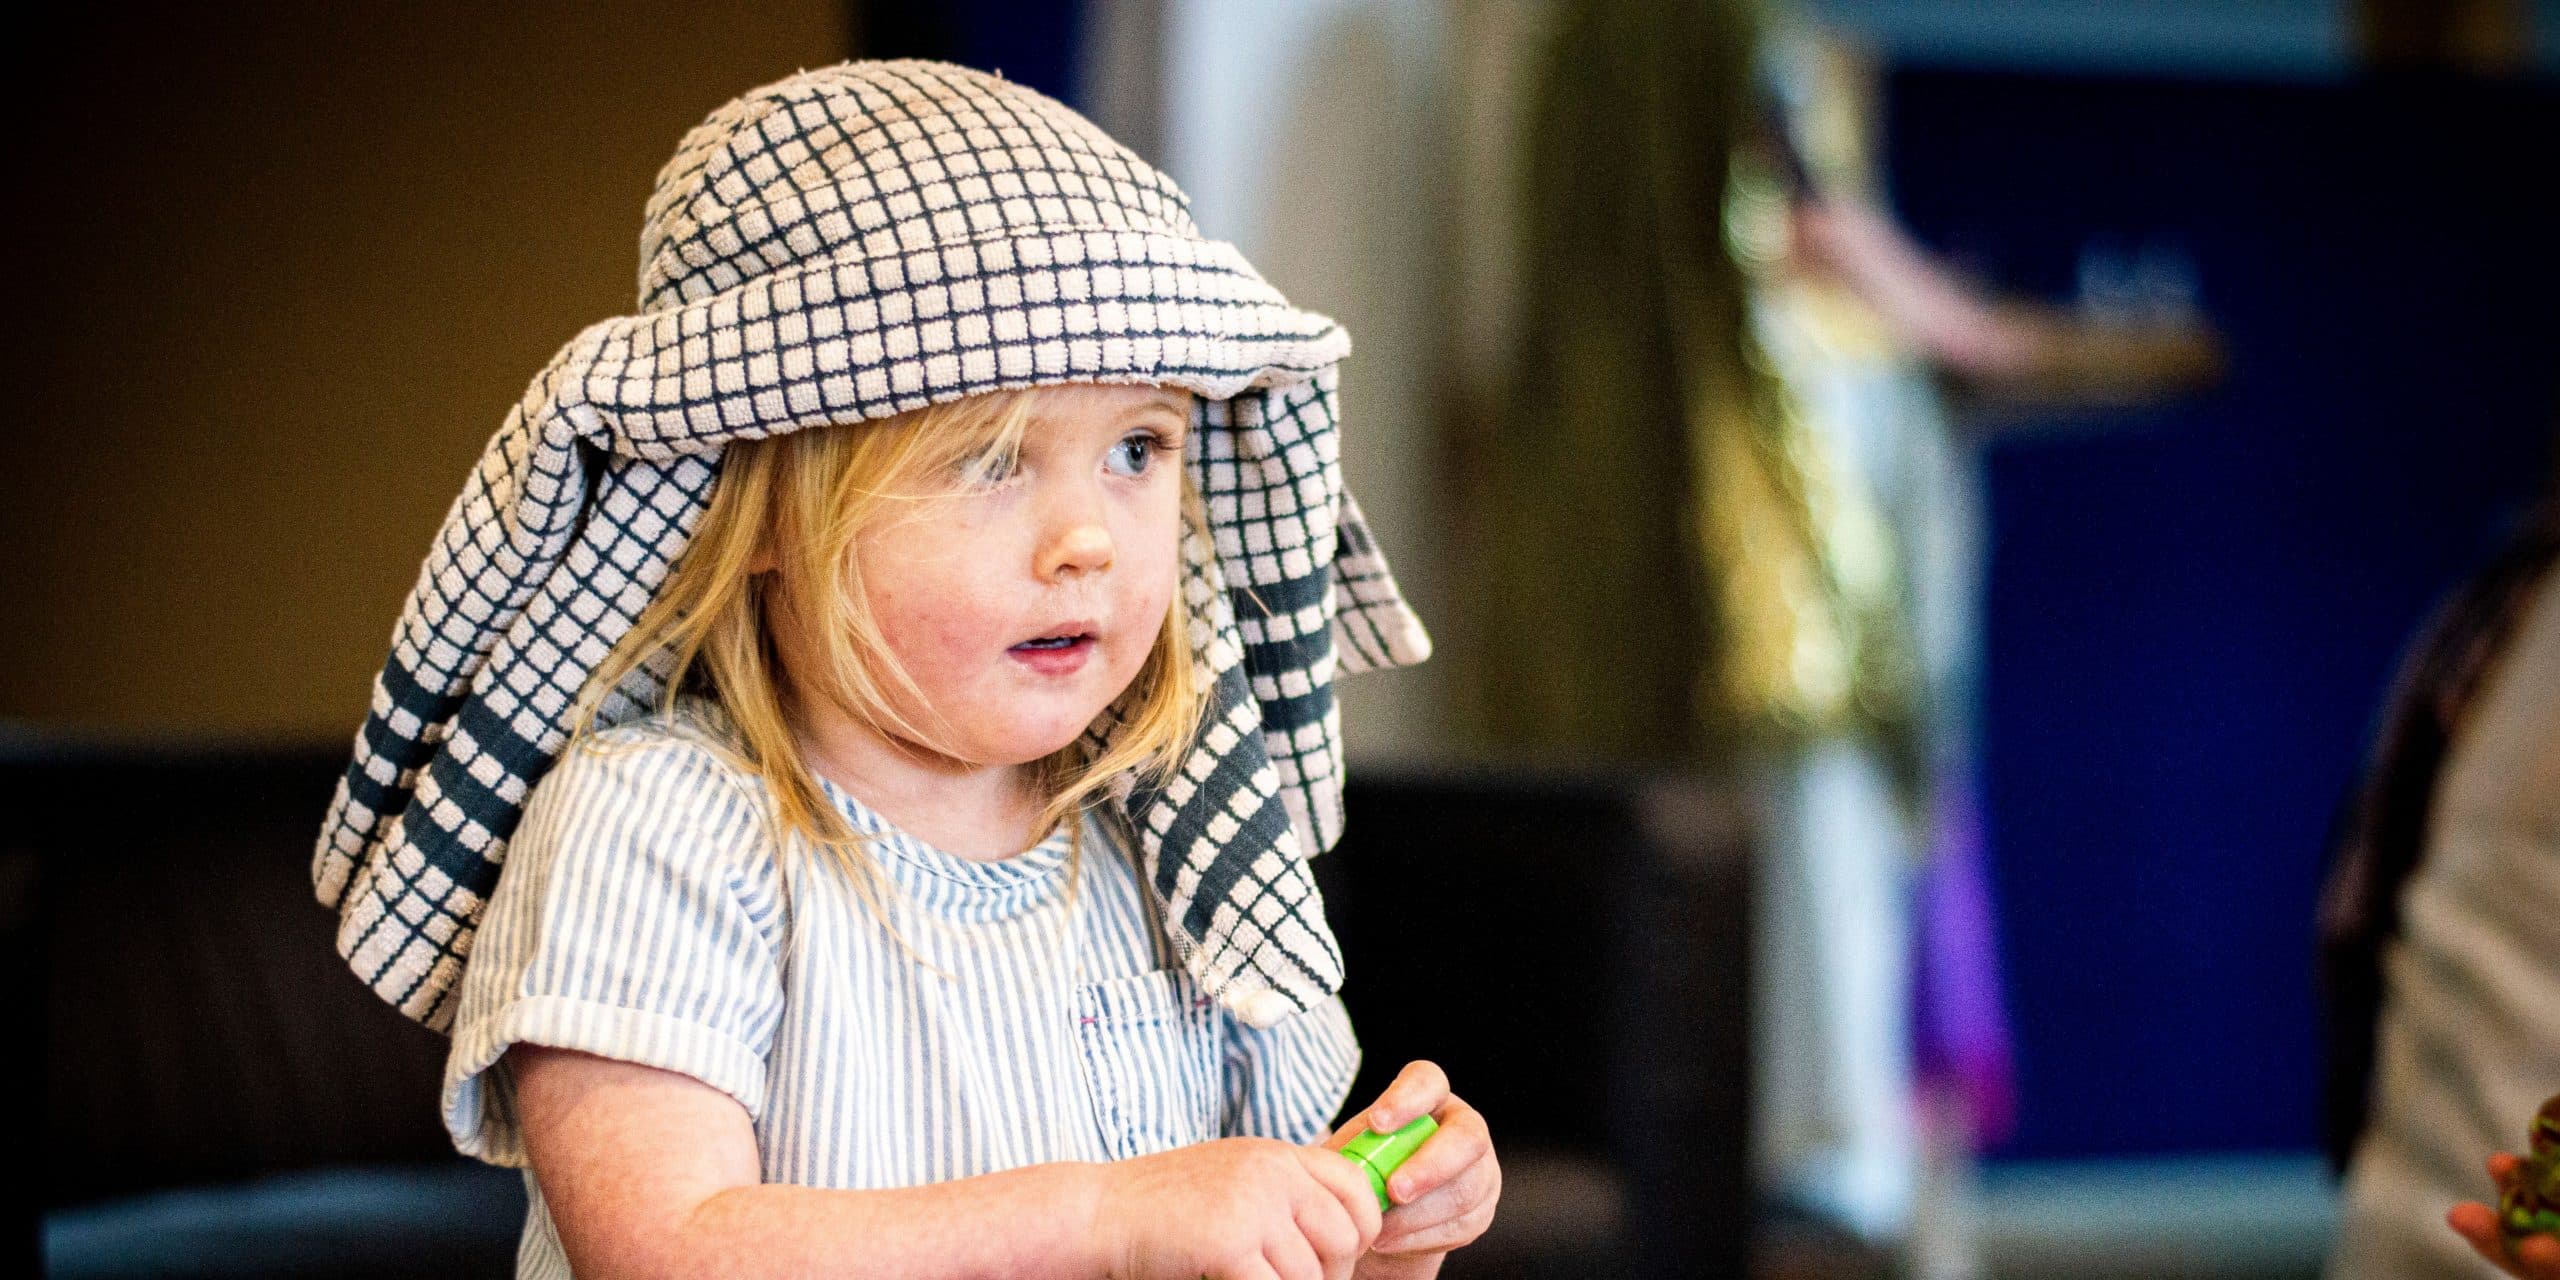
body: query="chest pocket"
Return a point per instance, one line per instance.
(1152, 1060)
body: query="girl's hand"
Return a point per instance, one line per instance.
(1444, 1195)
(2537, 1257)
(1235, 1209)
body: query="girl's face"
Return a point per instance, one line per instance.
(1027, 601)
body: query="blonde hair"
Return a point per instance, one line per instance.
(806, 496)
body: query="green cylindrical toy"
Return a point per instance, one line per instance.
(1380, 1154)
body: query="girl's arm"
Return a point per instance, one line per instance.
(652, 1173)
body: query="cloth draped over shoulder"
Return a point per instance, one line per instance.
(844, 245)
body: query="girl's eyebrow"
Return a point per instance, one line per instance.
(1171, 404)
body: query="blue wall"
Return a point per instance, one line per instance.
(2193, 610)
(1031, 42)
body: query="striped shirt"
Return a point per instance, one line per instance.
(646, 914)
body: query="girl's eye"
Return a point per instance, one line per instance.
(1136, 452)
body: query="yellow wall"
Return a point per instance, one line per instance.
(292, 271)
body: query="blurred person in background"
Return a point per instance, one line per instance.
(2440, 929)
(1731, 350)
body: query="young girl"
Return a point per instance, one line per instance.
(894, 668)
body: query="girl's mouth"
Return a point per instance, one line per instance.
(1054, 655)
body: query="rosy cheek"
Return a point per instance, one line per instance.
(928, 635)
(956, 643)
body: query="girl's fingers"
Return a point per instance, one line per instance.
(1461, 1141)
(1475, 1188)
(1417, 1090)
(1445, 1192)
(1338, 1213)
(1441, 1236)
(1290, 1257)
(1457, 1233)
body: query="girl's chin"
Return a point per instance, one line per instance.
(1028, 725)
(1029, 748)
(1012, 746)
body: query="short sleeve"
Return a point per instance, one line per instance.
(635, 919)
(1289, 1080)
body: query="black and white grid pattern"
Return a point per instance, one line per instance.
(843, 245)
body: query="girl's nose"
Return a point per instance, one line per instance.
(1083, 546)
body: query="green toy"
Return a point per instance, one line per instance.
(2530, 1204)
(1380, 1154)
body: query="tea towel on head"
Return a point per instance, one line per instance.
(849, 244)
